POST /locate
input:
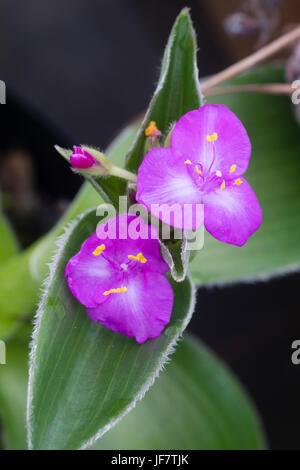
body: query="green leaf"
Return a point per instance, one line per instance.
(9, 245)
(13, 386)
(84, 377)
(23, 274)
(274, 176)
(195, 404)
(178, 89)
(110, 188)
(176, 255)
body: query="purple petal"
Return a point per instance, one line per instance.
(163, 180)
(232, 214)
(232, 146)
(141, 312)
(128, 226)
(89, 275)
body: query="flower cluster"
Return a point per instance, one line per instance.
(121, 281)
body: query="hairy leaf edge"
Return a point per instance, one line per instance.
(184, 256)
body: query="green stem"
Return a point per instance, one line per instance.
(121, 173)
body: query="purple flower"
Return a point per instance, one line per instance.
(208, 154)
(81, 159)
(121, 281)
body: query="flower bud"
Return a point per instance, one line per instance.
(153, 135)
(81, 159)
(89, 161)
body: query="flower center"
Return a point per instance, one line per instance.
(139, 257)
(208, 180)
(132, 265)
(127, 268)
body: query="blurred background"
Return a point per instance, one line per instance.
(76, 71)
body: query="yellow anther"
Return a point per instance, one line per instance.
(188, 162)
(198, 170)
(232, 168)
(238, 181)
(223, 185)
(151, 130)
(99, 250)
(139, 257)
(115, 291)
(212, 137)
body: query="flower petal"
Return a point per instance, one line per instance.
(232, 214)
(122, 243)
(101, 262)
(165, 181)
(81, 159)
(231, 150)
(89, 275)
(142, 311)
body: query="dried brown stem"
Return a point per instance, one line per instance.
(273, 88)
(253, 59)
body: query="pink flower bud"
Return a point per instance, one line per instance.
(81, 159)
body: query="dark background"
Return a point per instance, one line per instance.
(76, 71)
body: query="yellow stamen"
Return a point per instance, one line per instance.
(151, 129)
(99, 250)
(198, 171)
(188, 162)
(212, 137)
(238, 181)
(115, 291)
(139, 257)
(232, 168)
(223, 185)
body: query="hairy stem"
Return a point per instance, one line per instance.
(121, 173)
